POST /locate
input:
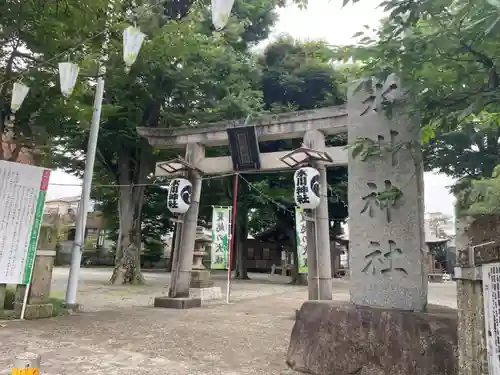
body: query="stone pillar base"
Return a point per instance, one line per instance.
(177, 303)
(334, 338)
(34, 311)
(206, 294)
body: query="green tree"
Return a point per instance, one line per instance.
(296, 76)
(199, 77)
(34, 36)
(447, 55)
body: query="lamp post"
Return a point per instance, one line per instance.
(318, 244)
(132, 41)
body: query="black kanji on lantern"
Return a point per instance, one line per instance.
(174, 195)
(301, 189)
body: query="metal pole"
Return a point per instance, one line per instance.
(81, 220)
(231, 246)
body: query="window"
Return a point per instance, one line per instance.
(266, 254)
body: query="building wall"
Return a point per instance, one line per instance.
(60, 207)
(261, 255)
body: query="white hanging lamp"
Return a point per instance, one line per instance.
(19, 92)
(221, 10)
(132, 43)
(68, 73)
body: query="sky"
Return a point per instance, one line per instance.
(327, 20)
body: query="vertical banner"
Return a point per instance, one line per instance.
(221, 234)
(22, 199)
(301, 230)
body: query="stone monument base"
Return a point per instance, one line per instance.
(177, 302)
(206, 294)
(34, 311)
(337, 338)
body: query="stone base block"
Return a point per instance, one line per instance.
(206, 294)
(34, 311)
(334, 338)
(177, 303)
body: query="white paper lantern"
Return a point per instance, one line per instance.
(19, 92)
(68, 73)
(306, 188)
(179, 195)
(132, 42)
(221, 10)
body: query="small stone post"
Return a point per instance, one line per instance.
(26, 364)
(472, 357)
(38, 304)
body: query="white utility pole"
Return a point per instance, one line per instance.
(132, 42)
(81, 219)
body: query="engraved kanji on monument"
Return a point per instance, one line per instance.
(387, 245)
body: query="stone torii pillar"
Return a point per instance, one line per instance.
(178, 293)
(318, 249)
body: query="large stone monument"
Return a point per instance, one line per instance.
(387, 246)
(386, 328)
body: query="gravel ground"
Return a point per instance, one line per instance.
(120, 333)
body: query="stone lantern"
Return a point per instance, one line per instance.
(201, 284)
(200, 276)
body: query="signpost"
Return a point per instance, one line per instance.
(22, 199)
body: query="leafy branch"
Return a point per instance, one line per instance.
(366, 148)
(385, 199)
(479, 197)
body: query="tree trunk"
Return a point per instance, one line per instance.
(242, 246)
(128, 260)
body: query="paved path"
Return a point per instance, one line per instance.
(119, 333)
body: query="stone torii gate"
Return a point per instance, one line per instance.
(312, 126)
